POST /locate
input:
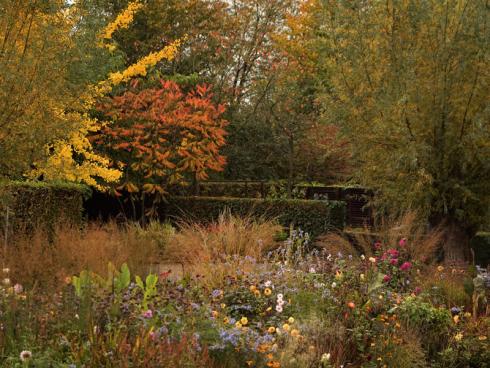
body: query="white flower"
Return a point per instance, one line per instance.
(279, 308)
(279, 296)
(329, 257)
(363, 257)
(325, 357)
(372, 259)
(6, 281)
(312, 270)
(334, 285)
(268, 283)
(25, 355)
(280, 302)
(6, 270)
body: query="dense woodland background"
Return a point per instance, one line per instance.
(136, 97)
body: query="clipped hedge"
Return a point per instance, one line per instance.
(26, 206)
(237, 189)
(481, 246)
(315, 217)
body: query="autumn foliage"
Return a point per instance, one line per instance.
(163, 136)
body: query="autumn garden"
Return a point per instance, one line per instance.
(245, 183)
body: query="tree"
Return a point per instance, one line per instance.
(44, 103)
(323, 155)
(163, 136)
(408, 82)
(35, 52)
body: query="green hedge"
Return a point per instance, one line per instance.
(481, 246)
(315, 217)
(26, 206)
(236, 189)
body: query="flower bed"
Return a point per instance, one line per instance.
(296, 308)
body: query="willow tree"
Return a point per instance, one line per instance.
(44, 120)
(409, 83)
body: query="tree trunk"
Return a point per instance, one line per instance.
(143, 210)
(290, 167)
(456, 241)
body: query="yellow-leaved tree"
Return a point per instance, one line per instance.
(44, 113)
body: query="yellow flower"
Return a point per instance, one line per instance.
(467, 314)
(250, 363)
(440, 268)
(267, 291)
(456, 318)
(291, 320)
(223, 306)
(458, 336)
(338, 275)
(226, 320)
(294, 333)
(482, 338)
(238, 325)
(271, 330)
(285, 327)
(252, 288)
(215, 313)
(362, 276)
(244, 321)
(257, 292)
(268, 309)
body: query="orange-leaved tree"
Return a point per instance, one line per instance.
(163, 136)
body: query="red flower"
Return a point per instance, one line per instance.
(406, 266)
(386, 278)
(393, 253)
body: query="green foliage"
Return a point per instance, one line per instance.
(431, 323)
(423, 315)
(245, 189)
(81, 283)
(149, 288)
(27, 206)
(116, 281)
(315, 217)
(156, 234)
(481, 246)
(408, 83)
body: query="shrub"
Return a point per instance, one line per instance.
(481, 246)
(155, 235)
(315, 217)
(27, 206)
(227, 236)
